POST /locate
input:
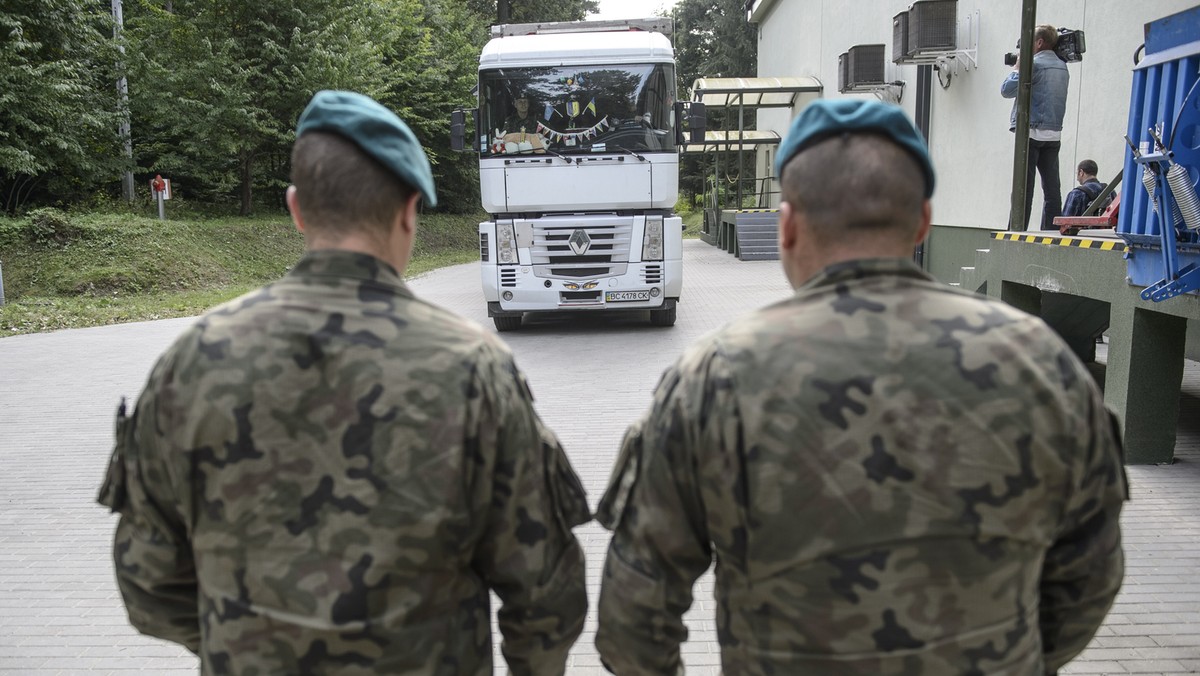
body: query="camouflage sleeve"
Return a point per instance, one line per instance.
(528, 554)
(151, 553)
(1082, 571)
(660, 542)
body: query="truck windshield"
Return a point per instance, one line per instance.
(577, 109)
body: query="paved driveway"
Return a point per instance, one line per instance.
(59, 608)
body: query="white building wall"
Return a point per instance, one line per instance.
(969, 140)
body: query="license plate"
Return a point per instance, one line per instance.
(625, 296)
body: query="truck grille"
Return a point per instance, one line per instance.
(483, 246)
(508, 276)
(609, 249)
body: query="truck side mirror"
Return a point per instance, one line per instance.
(458, 130)
(696, 121)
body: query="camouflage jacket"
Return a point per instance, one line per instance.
(329, 475)
(893, 477)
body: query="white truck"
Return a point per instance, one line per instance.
(578, 135)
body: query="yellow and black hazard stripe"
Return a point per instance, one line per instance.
(1079, 242)
(757, 211)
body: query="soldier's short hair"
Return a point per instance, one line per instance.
(1089, 167)
(1047, 33)
(340, 189)
(853, 183)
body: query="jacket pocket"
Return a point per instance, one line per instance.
(566, 491)
(114, 491)
(625, 474)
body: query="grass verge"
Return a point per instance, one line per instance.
(693, 221)
(65, 270)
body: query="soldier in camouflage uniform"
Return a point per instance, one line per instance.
(893, 476)
(329, 475)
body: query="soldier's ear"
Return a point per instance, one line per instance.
(294, 208)
(787, 226)
(408, 214)
(926, 221)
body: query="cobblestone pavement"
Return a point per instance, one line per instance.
(59, 608)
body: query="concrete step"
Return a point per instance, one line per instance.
(759, 256)
(966, 277)
(978, 281)
(754, 234)
(747, 233)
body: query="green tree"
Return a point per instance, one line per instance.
(216, 86)
(534, 11)
(712, 39)
(219, 84)
(58, 105)
(432, 60)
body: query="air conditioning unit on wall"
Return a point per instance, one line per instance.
(900, 51)
(927, 35)
(861, 68)
(932, 25)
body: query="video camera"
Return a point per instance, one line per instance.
(1070, 47)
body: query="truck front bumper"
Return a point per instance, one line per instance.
(513, 289)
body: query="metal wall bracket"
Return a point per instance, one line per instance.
(891, 92)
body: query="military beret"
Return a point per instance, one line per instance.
(376, 130)
(830, 117)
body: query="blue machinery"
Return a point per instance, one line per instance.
(1164, 139)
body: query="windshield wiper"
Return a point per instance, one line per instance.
(637, 155)
(564, 157)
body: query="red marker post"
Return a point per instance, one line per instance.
(160, 188)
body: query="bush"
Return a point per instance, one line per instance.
(105, 281)
(47, 226)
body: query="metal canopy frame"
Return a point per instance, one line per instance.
(714, 141)
(753, 92)
(743, 93)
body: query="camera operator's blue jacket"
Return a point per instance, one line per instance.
(1048, 100)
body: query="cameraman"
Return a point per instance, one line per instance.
(1047, 106)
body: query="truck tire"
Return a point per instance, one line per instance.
(664, 317)
(507, 322)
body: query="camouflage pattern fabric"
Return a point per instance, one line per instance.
(328, 475)
(892, 476)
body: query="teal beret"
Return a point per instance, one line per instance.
(374, 129)
(830, 117)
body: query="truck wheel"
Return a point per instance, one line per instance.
(507, 322)
(663, 317)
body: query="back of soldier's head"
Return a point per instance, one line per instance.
(356, 164)
(1089, 167)
(340, 189)
(850, 185)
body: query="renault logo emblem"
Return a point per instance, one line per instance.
(580, 242)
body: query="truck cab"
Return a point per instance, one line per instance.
(577, 132)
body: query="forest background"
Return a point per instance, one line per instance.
(214, 91)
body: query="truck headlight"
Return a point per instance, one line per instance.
(506, 243)
(652, 244)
